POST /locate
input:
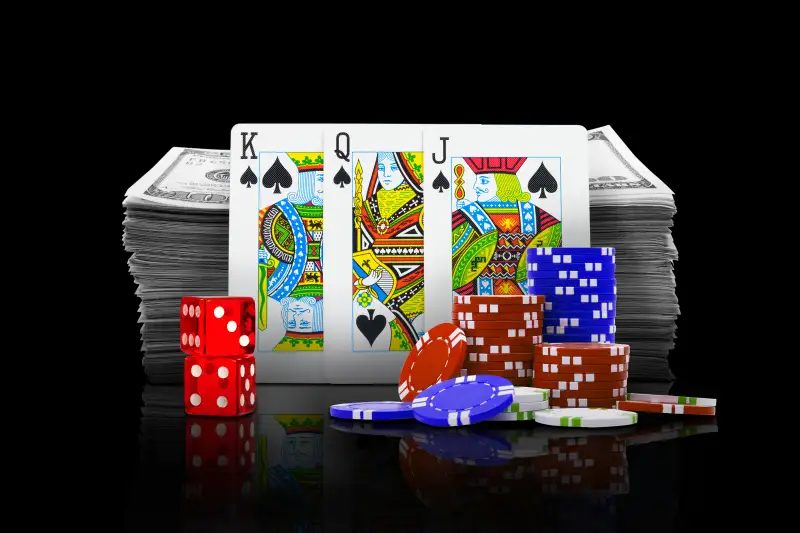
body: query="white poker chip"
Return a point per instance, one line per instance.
(586, 417)
(525, 395)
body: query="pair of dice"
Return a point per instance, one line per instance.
(219, 373)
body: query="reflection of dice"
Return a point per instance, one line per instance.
(217, 326)
(219, 386)
(219, 445)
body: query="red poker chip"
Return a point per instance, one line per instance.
(437, 356)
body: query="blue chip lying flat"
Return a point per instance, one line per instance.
(463, 401)
(588, 252)
(373, 411)
(465, 446)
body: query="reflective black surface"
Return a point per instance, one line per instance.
(291, 467)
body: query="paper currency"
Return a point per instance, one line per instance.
(631, 210)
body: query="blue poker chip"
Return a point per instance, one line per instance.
(587, 329)
(570, 274)
(575, 322)
(467, 446)
(597, 337)
(535, 281)
(397, 428)
(372, 411)
(567, 291)
(463, 400)
(585, 304)
(593, 252)
(588, 265)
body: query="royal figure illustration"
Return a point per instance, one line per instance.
(490, 234)
(290, 257)
(388, 249)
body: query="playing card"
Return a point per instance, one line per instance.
(276, 227)
(492, 192)
(374, 297)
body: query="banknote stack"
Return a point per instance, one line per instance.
(631, 210)
(176, 226)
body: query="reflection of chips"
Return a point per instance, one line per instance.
(263, 468)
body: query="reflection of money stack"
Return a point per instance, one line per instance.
(176, 226)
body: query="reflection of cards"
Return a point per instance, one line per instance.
(276, 229)
(373, 211)
(499, 190)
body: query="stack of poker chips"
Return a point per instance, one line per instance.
(582, 374)
(580, 289)
(501, 331)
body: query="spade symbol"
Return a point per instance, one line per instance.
(543, 181)
(249, 178)
(441, 182)
(277, 176)
(371, 327)
(341, 178)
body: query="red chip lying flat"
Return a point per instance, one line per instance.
(669, 408)
(437, 356)
(514, 299)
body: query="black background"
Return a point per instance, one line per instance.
(672, 141)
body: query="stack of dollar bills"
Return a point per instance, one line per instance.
(176, 226)
(631, 210)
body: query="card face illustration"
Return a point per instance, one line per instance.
(499, 190)
(276, 244)
(374, 299)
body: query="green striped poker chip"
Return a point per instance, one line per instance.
(517, 412)
(517, 407)
(513, 417)
(531, 394)
(586, 417)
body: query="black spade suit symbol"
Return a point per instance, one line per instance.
(543, 181)
(341, 178)
(371, 326)
(277, 176)
(441, 182)
(248, 178)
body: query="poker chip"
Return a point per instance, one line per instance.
(580, 264)
(513, 299)
(520, 415)
(556, 368)
(585, 305)
(576, 293)
(663, 398)
(468, 325)
(588, 251)
(463, 401)
(491, 317)
(465, 447)
(508, 374)
(580, 377)
(604, 285)
(576, 322)
(437, 356)
(587, 330)
(372, 410)
(579, 360)
(603, 338)
(614, 392)
(530, 395)
(667, 408)
(510, 333)
(567, 272)
(582, 349)
(480, 357)
(498, 308)
(481, 366)
(585, 402)
(483, 340)
(586, 417)
(566, 385)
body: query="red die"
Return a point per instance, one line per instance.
(219, 386)
(215, 445)
(217, 325)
